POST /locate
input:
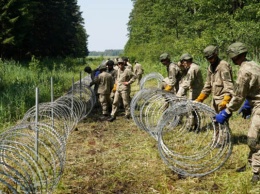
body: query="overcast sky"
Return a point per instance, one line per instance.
(106, 23)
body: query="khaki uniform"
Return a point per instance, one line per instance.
(219, 83)
(248, 86)
(174, 77)
(105, 85)
(191, 81)
(123, 91)
(138, 71)
(129, 66)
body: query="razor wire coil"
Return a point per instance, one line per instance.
(33, 154)
(189, 141)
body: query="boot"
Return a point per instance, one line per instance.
(111, 119)
(255, 178)
(241, 169)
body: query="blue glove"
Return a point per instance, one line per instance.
(222, 116)
(245, 110)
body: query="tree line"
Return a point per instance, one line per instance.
(49, 28)
(109, 52)
(179, 26)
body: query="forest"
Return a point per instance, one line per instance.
(179, 26)
(50, 28)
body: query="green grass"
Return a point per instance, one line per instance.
(117, 157)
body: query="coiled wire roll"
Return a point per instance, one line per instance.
(33, 154)
(189, 141)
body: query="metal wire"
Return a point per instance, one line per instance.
(33, 154)
(151, 80)
(189, 141)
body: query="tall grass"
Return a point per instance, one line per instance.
(19, 81)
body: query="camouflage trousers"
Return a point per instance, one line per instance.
(253, 140)
(105, 102)
(125, 95)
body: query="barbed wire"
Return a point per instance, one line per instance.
(33, 152)
(189, 140)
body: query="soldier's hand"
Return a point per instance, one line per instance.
(245, 110)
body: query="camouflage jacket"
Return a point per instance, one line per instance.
(105, 83)
(191, 81)
(124, 76)
(138, 69)
(219, 82)
(174, 75)
(247, 86)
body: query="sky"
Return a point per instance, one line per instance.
(106, 23)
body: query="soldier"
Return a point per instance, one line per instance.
(219, 83)
(127, 63)
(171, 83)
(113, 72)
(125, 78)
(192, 80)
(246, 87)
(138, 71)
(105, 84)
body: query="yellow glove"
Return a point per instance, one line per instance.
(201, 97)
(224, 102)
(114, 88)
(168, 88)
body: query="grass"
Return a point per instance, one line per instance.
(117, 157)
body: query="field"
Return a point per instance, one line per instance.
(117, 157)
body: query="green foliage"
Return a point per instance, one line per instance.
(18, 84)
(180, 26)
(41, 28)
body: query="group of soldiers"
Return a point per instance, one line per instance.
(227, 95)
(112, 80)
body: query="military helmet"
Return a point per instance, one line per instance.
(236, 49)
(210, 51)
(164, 56)
(102, 66)
(185, 57)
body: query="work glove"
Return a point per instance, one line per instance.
(245, 110)
(222, 117)
(168, 88)
(114, 88)
(224, 102)
(201, 97)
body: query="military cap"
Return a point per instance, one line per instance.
(236, 49)
(164, 56)
(186, 56)
(210, 51)
(120, 60)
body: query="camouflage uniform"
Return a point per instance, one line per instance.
(219, 82)
(138, 71)
(191, 81)
(105, 84)
(122, 90)
(171, 83)
(248, 86)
